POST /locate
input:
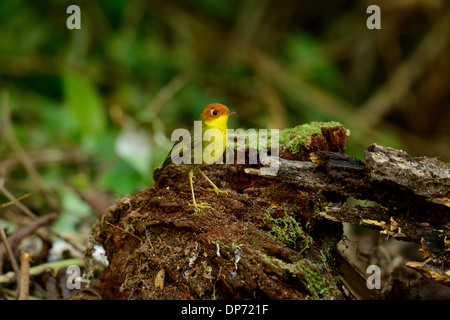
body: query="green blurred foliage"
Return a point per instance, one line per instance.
(114, 90)
(306, 57)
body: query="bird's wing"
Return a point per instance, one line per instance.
(188, 142)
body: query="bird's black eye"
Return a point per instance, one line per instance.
(214, 112)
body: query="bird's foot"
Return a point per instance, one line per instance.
(217, 190)
(199, 206)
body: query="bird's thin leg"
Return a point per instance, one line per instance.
(191, 173)
(215, 188)
(194, 203)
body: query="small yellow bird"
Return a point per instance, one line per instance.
(213, 116)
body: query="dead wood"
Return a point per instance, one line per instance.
(411, 195)
(271, 237)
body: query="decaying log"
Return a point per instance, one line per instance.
(424, 176)
(272, 236)
(412, 197)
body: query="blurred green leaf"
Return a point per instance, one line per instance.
(84, 106)
(309, 60)
(123, 179)
(8, 226)
(73, 211)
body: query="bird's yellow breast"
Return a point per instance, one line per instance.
(221, 125)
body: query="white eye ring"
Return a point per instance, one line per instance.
(214, 112)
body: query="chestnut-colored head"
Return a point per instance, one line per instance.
(214, 111)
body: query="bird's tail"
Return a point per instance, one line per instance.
(157, 173)
(159, 170)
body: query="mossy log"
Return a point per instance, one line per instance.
(270, 237)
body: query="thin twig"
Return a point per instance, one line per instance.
(56, 266)
(114, 226)
(76, 295)
(12, 294)
(14, 264)
(43, 158)
(166, 94)
(22, 156)
(31, 215)
(19, 205)
(25, 258)
(10, 203)
(17, 236)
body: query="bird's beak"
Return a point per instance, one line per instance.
(230, 113)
